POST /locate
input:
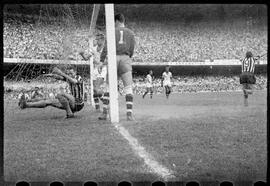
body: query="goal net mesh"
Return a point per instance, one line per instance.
(55, 32)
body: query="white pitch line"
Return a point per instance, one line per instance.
(156, 167)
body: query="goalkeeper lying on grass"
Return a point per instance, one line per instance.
(71, 103)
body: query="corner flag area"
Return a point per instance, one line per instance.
(204, 136)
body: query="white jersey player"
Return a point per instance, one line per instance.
(149, 84)
(166, 81)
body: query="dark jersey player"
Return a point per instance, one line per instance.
(71, 103)
(125, 42)
(247, 77)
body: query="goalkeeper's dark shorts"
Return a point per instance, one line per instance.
(248, 78)
(123, 64)
(78, 107)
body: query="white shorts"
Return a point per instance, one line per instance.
(149, 85)
(166, 83)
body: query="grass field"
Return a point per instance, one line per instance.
(200, 136)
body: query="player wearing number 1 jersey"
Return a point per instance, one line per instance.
(247, 77)
(125, 42)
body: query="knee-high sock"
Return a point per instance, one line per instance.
(106, 102)
(129, 103)
(96, 100)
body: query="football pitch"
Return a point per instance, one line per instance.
(195, 136)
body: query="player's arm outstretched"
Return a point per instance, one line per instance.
(84, 55)
(55, 76)
(57, 71)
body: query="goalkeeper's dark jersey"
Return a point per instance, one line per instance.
(125, 43)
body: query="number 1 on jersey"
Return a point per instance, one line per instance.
(121, 37)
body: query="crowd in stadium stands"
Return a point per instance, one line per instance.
(181, 84)
(156, 41)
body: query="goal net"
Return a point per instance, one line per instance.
(51, 36)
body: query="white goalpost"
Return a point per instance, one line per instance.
(112, 65)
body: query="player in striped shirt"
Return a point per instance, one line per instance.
(166, 81)
(71, 103)
(247, 77)
(149, 84)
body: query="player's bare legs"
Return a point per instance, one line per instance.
(151, 92)
(148, 89)
(167, 91)
(62, 101)
(245, 94)
(127, 81)
(97, 96)
(68, 102)
(146, 92)
(106, 102)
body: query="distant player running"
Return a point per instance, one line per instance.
(166, 81)
(247, 77)
(70, 103)
(125, 42)
(149, 84)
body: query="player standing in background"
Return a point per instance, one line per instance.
(99, 71)
(149, 84)
(99, 83)
(166, 81)
(125, 43)
(247, 77)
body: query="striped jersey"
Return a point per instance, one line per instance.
(76, 90)
(248, 64)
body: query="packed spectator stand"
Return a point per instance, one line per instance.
(32, 37)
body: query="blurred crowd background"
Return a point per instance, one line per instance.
(164, 33)
(195, 36)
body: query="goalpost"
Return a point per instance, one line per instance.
(112, 65)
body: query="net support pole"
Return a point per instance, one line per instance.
(96, 8)
(112, 65)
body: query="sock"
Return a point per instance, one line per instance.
(96, 100)
(106, 102)
(129, 103)
(151, 94)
